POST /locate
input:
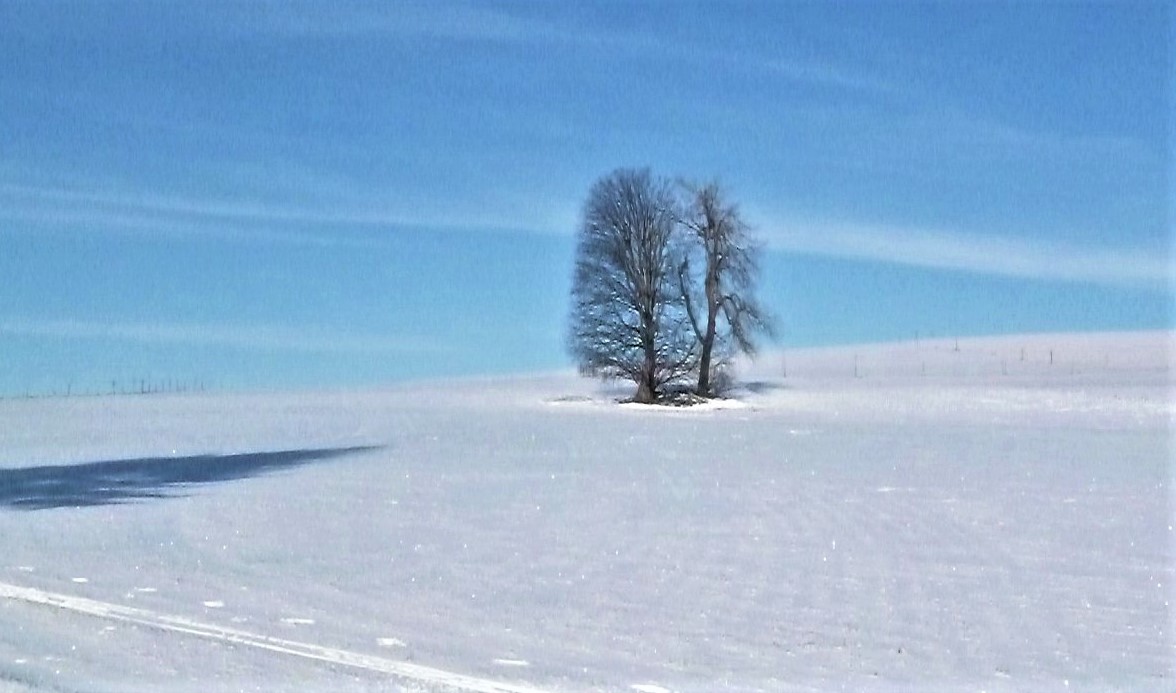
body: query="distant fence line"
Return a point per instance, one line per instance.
(117, 388)
(957, 359)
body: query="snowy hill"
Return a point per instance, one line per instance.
(892, 517)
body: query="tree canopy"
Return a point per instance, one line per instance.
(638, 312)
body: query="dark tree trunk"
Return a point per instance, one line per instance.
(647, 384)
(704, 364)
(708, 337)
(645, 393)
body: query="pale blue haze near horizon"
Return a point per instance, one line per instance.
(321, 194)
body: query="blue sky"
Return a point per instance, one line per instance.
(309, 194)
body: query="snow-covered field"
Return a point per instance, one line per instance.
(889, 518)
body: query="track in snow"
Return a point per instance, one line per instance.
(177, 624)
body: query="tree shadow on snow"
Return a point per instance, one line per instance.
(123, 481)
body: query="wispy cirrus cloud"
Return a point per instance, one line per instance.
(828, 75)
(315, 221)
(459, 21)
(266, 338)
(981, 254)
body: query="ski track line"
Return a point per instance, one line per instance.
(176, 624)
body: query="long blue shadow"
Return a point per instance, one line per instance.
(125, 481)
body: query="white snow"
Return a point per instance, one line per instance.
(940, 520)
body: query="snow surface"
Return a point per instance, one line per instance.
(910, 517)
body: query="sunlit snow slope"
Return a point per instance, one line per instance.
(927, 516)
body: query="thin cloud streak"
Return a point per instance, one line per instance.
(946, 250)
(826, 75)
(460, 22)
(245, 220)
(476, 22)
(249, 337)
(271, 223)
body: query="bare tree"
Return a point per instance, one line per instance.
(628, 318)
(730, 268)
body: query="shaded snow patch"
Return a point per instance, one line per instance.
(699, 404)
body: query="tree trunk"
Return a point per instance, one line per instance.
(646, 387)
(708, 338)
(647, 383)
(704, 364)
(644, 392)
